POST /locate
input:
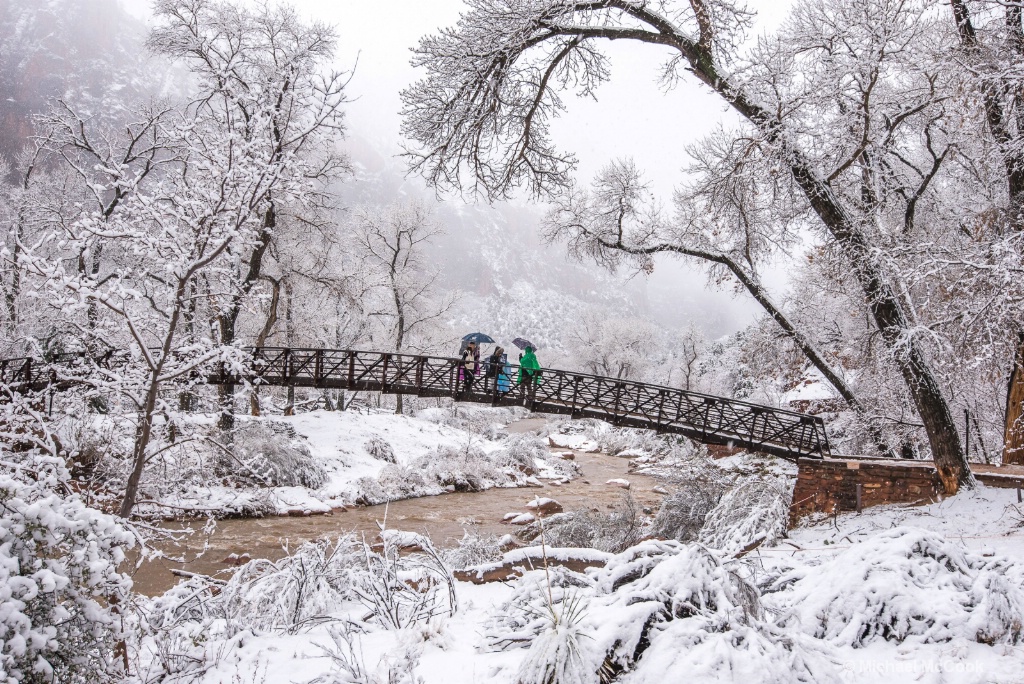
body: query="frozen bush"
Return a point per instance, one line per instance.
(659, 607)
(487, 421)
(613, 440)
(349, 667)
(379, 448)
(401, 591)
(522, 452)
(474, 549)
(525, 616)
(614, 531)
(467, 470)
(59, 584)
(904, 584)
(294, 592)
(695, 493)
(559, 654)
(756, 511)
(752, 654)
(665, 607)
(444, 469)
(271, 455)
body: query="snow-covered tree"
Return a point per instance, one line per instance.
(184, 203)
(851, 131)
(261, 72)
(390, 244)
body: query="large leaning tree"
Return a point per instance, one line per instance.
(844, 130)
(991, 40)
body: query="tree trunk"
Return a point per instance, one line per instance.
(400, 309)
(142, 435)
(229, 319)
(261, 339)
(144, 431)
(289, 406)
(1013, 436)
(999, 121)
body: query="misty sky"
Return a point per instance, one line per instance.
(633, 117)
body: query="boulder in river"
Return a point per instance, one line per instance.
(544, 506)
(521, 519)
(618, 482)
(236, 560)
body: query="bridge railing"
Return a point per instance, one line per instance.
(703, 417)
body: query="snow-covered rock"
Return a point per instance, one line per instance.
(544, 506)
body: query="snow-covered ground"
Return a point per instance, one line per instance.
(930, 594)
(361, 452)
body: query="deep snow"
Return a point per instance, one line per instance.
(927, 594)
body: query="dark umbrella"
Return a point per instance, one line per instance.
(477, 337)
(523, 343)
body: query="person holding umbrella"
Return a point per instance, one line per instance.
(529, 368)
(470, 362)
(469, 352)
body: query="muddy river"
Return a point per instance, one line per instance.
(444, 518)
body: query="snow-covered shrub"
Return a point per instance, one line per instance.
(521, 619)
(615, 440)
(659, 607)
(695, 493)
(614, 531)
(465, 470)
(59, 584)
(474, 549)
(402, 590)
(444, 469)
(522, 452)
(666, 607)
(379, 448)
(345, 652)
(753, 512)
(559, 655)
(266, 454)
(904, 584)
(751, 654)
(91, 445)
(487, 421)
(293, 593)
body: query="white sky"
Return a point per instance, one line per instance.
(633, 116)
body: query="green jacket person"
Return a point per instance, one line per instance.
(529, 368)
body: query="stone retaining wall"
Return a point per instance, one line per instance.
(830, 485)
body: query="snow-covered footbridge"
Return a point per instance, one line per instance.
(704, 418)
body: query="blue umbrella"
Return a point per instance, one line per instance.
(477, 337)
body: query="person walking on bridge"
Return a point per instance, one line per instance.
(470, 362)
(529, 369)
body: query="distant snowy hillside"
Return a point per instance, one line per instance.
(89, 53)
(511, 282)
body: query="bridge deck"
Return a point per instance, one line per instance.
(704, 418)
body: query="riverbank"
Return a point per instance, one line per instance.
(444, 517)
(323, 461)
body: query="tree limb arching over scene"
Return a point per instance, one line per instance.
(847, 128)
